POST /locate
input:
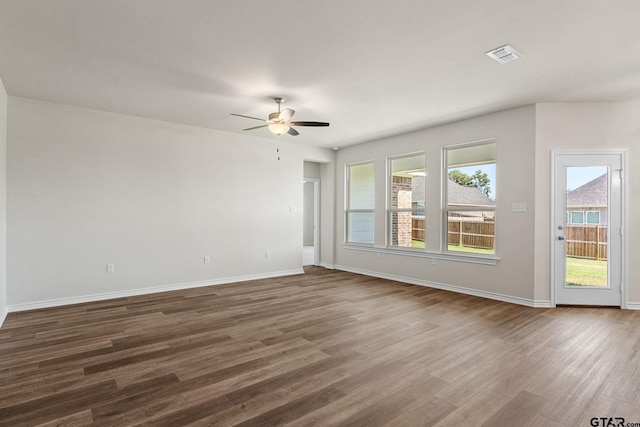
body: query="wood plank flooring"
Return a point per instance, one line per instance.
(323, 348)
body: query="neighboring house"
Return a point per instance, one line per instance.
(460, 195)
(587, 204)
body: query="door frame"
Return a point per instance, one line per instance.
(623, 220)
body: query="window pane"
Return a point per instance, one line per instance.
(407, 195)
(472, 175)
(407, 182)
(360, 227)
(577, 217)
(407, 229)
(361, 190)
(471, 192)
(471, 231)
(593, 217)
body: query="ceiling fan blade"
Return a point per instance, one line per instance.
(248, 117)
(286, 114)
(293, 132)
(256, 127)
(308, 123)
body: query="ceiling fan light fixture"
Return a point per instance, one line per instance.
(279, 121)
(278, 128)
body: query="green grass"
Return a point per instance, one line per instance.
(420, 244)
(586, 272)
(472, 250)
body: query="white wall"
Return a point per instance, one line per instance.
(3, 203)
(87, 188)
(513, 275)
(585, 126)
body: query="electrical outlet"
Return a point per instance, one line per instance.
(207, 259)
(267, 254)
(433, 261)
(111, 268)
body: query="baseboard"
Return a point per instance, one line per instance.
(145, 291)
(452, 288)
(633, 306)
(542, 304)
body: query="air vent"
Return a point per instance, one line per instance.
(504, 54)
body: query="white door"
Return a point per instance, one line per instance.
(587, 228)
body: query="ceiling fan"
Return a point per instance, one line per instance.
(279, 122)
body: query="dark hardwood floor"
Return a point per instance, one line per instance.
(323, 348)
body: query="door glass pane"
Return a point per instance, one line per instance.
(586, 241)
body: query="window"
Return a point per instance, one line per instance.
(360, 203)
(593, 217)
(470, 191)
(577, 217)
(405, 207)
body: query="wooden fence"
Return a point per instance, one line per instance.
(473, 234)
(583, 241)
(587, 241)
(417, 228)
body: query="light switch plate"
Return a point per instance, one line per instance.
(519, 207)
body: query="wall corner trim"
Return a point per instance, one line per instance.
(145, 291)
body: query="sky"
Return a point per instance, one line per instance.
(489, 169)
(579, 175)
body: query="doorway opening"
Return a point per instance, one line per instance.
(311, 214)
(310, 237)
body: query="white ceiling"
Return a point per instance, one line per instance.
(371, 68)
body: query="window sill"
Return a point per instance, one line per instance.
(473, 259)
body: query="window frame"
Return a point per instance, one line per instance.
(413, 210)
(446, 208)
(348, 210)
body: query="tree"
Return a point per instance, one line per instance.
(460, 178)
(479, 180)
